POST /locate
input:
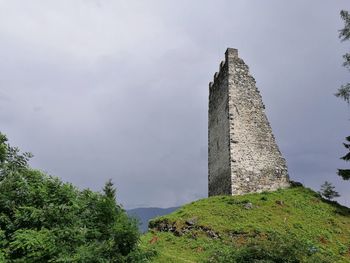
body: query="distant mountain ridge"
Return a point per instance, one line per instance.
(144, 214)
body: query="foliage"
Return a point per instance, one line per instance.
(345, 173)
(43, 219)
(344, 34)
(297, 214)
(344, 90)
(109, 190)
(11, 159)
(274, 248)
(328, 191)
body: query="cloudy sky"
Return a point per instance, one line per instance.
(119, 89)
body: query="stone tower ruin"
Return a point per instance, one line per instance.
(243, 155)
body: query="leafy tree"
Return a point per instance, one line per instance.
(3, 147)
(328, 191)
(11, 159)
(344, 90)
(43, 219)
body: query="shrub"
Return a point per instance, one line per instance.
(43, 219)
(273, 249)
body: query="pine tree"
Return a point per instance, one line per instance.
(344, 34)
(109, 189)
(345, 173)
(328, 191)
(344, 90)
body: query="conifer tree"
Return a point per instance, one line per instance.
(109, 190)
(328, 191)
(344, 34)
(344, 90)
(345, 173)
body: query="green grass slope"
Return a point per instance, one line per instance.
(199, 231)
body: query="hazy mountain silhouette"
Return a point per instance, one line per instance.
(144, 214)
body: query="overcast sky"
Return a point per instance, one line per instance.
(119, 89)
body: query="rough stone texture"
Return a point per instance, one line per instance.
(243, 154)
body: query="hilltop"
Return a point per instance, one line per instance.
(294, 222)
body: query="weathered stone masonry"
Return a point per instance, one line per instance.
(243, 154)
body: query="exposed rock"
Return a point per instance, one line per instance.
(295, 184)
(165, 226)
(192, 221)
(280, 202)
(248, 206)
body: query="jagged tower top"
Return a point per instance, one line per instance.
(231, 53)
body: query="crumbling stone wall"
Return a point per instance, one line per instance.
(219, 135)
(243, 155)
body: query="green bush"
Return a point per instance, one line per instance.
(272, 249)
(43, 219)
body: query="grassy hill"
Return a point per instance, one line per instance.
(294, 222)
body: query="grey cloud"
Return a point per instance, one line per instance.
(122, 88)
